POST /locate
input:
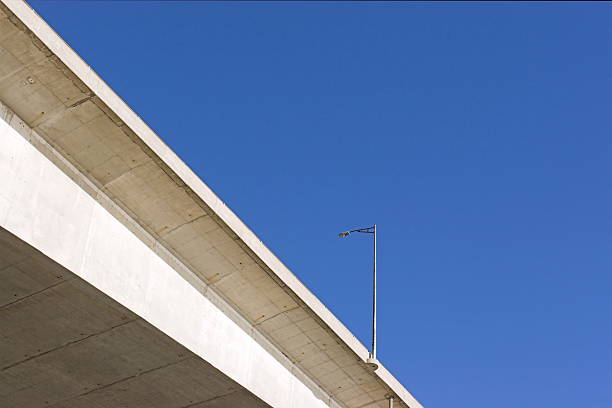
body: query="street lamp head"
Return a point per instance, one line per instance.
(343, 234)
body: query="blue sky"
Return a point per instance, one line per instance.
(477, 136)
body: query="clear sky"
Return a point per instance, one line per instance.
(477, 136)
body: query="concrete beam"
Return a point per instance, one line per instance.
(65, 344)
(47, 209)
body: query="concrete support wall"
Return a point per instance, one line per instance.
(43, 206)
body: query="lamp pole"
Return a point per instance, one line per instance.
(372, 361)
(373, 353)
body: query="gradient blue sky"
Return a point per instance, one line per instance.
(477, 136)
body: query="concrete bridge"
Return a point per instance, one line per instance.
(124, 280)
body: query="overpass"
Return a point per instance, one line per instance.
(126, 282)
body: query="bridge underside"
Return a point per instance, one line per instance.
(65, 344)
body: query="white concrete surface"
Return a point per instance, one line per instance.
(42, 206)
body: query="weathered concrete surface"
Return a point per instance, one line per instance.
(65, 344)
(135, 177)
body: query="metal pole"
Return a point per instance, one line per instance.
(390, 402)
(372, 363)
(374, 301)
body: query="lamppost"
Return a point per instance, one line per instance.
(372, 362)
